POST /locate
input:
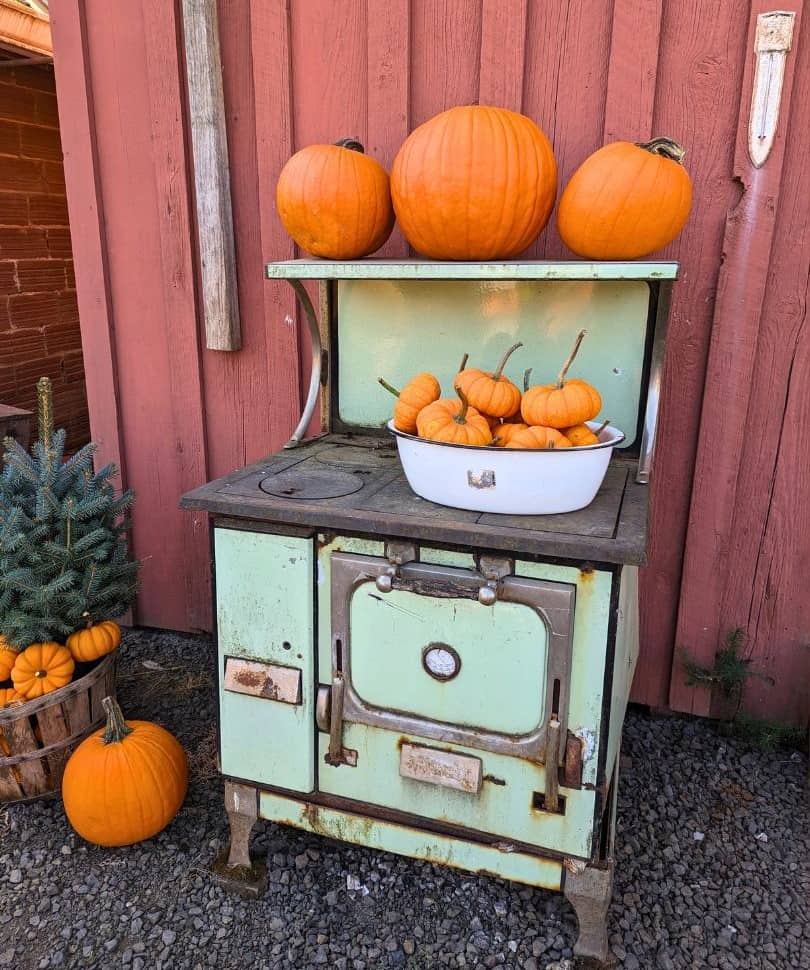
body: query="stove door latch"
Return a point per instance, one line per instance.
(397, 554)
(493, 569)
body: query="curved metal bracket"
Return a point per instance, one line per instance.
(315, 376)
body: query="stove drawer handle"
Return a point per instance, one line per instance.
(493, 569)
(397, 554)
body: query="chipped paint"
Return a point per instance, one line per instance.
(588, 739)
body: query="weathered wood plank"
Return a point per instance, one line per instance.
(91, 254)
(503, 53)
(634, 43)
(219, 294)
(699, 77)
(747, 245)
(389, 76)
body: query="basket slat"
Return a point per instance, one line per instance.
(41, 735)
(21, 740)
(53, 727)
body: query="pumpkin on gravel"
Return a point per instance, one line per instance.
(626, 200)
(474, 182)
(335, 201)
(94, 641)
(125, 782)
(42, 668)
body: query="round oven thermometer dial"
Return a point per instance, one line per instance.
(441, 661)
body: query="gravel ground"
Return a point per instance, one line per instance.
(712, 851)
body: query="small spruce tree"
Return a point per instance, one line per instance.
(64, 561)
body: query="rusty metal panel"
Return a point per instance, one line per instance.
(437, 767)
(471, 856)
(270, 681)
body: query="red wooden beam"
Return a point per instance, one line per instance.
(747, 246)
(86, 210)
(503, 53)
(632, 74)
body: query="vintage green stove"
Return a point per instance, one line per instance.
(445, 684)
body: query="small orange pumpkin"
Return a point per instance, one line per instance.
(8, 658)
(125, 782)
(566, 403)
(474, 182)
(420, 391)
(335, 201)
(454, 422)
(96, 640)
(8, 695)
(626, 200)
(42, 668)
(507, 430)
(538, 438)
(580, 434)
(489, 391)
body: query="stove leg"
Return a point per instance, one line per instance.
(589, 892)
(234, 868)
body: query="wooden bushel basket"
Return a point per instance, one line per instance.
(37, 737)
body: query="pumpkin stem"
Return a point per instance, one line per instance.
(350, 143)
(602, 427)
(496, 374)
(527, 375)
(89, 619)
(571, 356)
(463, 363)
(117, 728)
(461, 417)
(495, 439)
(388, 387)
(666, 147)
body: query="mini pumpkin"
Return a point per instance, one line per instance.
(9, 695)
(536, 437)
(489, 391)
(454, 422)
(581, 435)
(335, 201)
(42, 668)
(566, 403)
(474, 182)
(507, 430)
(125, 782)
(8, 658)
(420, 391)
(96, 640)
(626, 200)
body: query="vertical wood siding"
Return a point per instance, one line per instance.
(303, 71)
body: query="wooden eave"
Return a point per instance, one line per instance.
(24, 31)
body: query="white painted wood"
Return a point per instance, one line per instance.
(773, 39)
(220, 302)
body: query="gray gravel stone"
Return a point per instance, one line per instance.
(679, 903)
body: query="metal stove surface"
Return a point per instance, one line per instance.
(355, 483)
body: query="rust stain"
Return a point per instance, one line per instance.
(586, 573)
(249, 678)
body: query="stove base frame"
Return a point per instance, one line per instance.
(587, 886)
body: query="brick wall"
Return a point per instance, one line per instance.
(39, 319)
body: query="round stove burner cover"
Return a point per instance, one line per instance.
(311, 483)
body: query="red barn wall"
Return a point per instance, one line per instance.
(174, 414)
(39, 319)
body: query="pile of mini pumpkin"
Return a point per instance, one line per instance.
(491, 410)
(41, 668)
(479, 183)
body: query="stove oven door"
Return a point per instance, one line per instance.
(446, 705)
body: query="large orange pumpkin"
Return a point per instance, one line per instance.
(42, 668)
(335, 201)
(474, 182)
(126, 782)
(626, 200)
(94, 641)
